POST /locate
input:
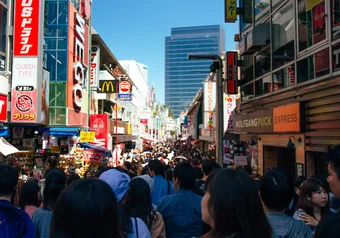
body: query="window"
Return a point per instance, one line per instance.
(336, 57)
(261, 10)
(3, 27)
(283, 34)
(247, 69)
(312, 23)
(336, 19)
(4, 1)
(313, 66)
(263, 62)
(284, 78)
(247, 92)
(263, 86)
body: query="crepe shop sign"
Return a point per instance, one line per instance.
(91, 156)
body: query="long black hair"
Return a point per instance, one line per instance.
(235, 205)
(87, 208)
(139, 201)
(54, 185)
(29, 195)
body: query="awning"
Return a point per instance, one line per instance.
(195, 141)
(64, 131)
(186, 137)
(125, 138)
(94, 147)
(6, 148)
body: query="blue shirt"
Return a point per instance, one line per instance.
(14, 222)
(160, 189)
(182, 214)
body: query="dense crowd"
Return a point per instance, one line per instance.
(184, 195)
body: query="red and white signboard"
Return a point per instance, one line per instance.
(3, 107)
(125, 86)
(99, 123)
(229, 105)
(27, 62)
(95, 66)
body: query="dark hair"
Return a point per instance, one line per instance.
(127, 165)
(308, 188)
(169, 174)
(299, 181)
(186, 175)
(328, 227)
(92, 204)
(88, 171)
(276, 189)
(235, 205)
(207, 167)
(145, 170)
(72, 178)
(54, 185)
(334, 159)
(139, 201)
(156, 166)
(8, 180)
(52, 161)
(248, 169)
(29, 195)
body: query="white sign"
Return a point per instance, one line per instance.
(209, 96)
(240, 160)
(210, 121)
(95, 66)
(229, 105)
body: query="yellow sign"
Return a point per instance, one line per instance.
(86, 136)
(230, 11)
(312, 3)
(108, 86)
(55, 149)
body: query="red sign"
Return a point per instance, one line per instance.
(94, 157)
(125, 87)
(99, 123)
(231, 72)
(319, 15)
(26, 28)
(3, 108)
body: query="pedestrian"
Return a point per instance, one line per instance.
(232, 207)
(207, 169)
(54, 184)
(293, 206)
(140, 205)
(92, 204)
(276, 192)
(14, 222)
(29, 199)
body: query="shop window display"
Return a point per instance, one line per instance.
(313, 66)
(336, 19)
(312, 23)
(232, 148)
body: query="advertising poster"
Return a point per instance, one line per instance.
(95, 66)
(99, 123)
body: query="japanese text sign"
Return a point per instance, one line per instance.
(209, 96)
(230, 10)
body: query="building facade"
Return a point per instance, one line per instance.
(183, 78)
(290, 52)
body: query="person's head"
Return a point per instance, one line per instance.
(150, 181)
(139, 200)
(298, 183)
(51, 162)
(29, 195)
(118, 182)
(156, 167)
(184, 176)
(231, 205)
(88, 174)
(207, 167)
(276, 190)
(92, 204)
(72, 178)
(54, 184)
(334, 171)
(8, 181)
(127, 165)
(248, 169)
(313, 195)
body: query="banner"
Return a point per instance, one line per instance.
(95, 66)
(27, 62)
(230, 11)
(99, 123)
(209, 95)
(229, 104)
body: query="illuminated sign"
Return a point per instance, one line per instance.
(108, 86)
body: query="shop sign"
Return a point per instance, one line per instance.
(312, 3)
(240, 160)
(248, 11)
(231, 71)
(125, 87)
(287, 118)
(209, 96)
(108, 86)
(230, 11)
(256, 122)
(210, 121)
(121, 130)
(229, 105)
(3, 107)
(55, 149)
(125, 96)
(91, 156)
(87, 136)
(99, 123)
(95, 66)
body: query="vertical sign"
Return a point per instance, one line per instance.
(229, 105)
(232, 72)
(95, 66)
(248, 11)
(99, 123)
(230, 11)
(210, 105)
(27, 62)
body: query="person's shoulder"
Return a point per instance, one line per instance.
(41, 212)
(143, 230)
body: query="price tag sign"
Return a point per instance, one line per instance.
(86, 136)
(55, 149)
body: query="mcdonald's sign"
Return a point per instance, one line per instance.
(108, 86)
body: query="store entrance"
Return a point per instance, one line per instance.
(279, 157)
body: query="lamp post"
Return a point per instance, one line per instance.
(219, 96)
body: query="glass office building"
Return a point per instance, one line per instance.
(183, 78)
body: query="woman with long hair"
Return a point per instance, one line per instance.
(313, 202)
(140, 205)
(54, 184)
(231, 206)
(29, 199)
(92, 204)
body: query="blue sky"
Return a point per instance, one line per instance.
(135, 29)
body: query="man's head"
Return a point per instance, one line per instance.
(184, 176)
(298, 183)
(8, 180)
(276, 190)
(207, 167)
(334, 171)
(156, 167)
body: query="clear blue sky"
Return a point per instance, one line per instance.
(136, 29)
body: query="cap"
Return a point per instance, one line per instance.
(118, 181)
(147, 179)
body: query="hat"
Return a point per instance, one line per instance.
(72, 169)
(147, 179)
(118, 181)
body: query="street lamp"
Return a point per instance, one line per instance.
(219, 96)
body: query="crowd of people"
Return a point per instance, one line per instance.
(179, 197)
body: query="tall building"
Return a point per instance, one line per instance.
(183, 78)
